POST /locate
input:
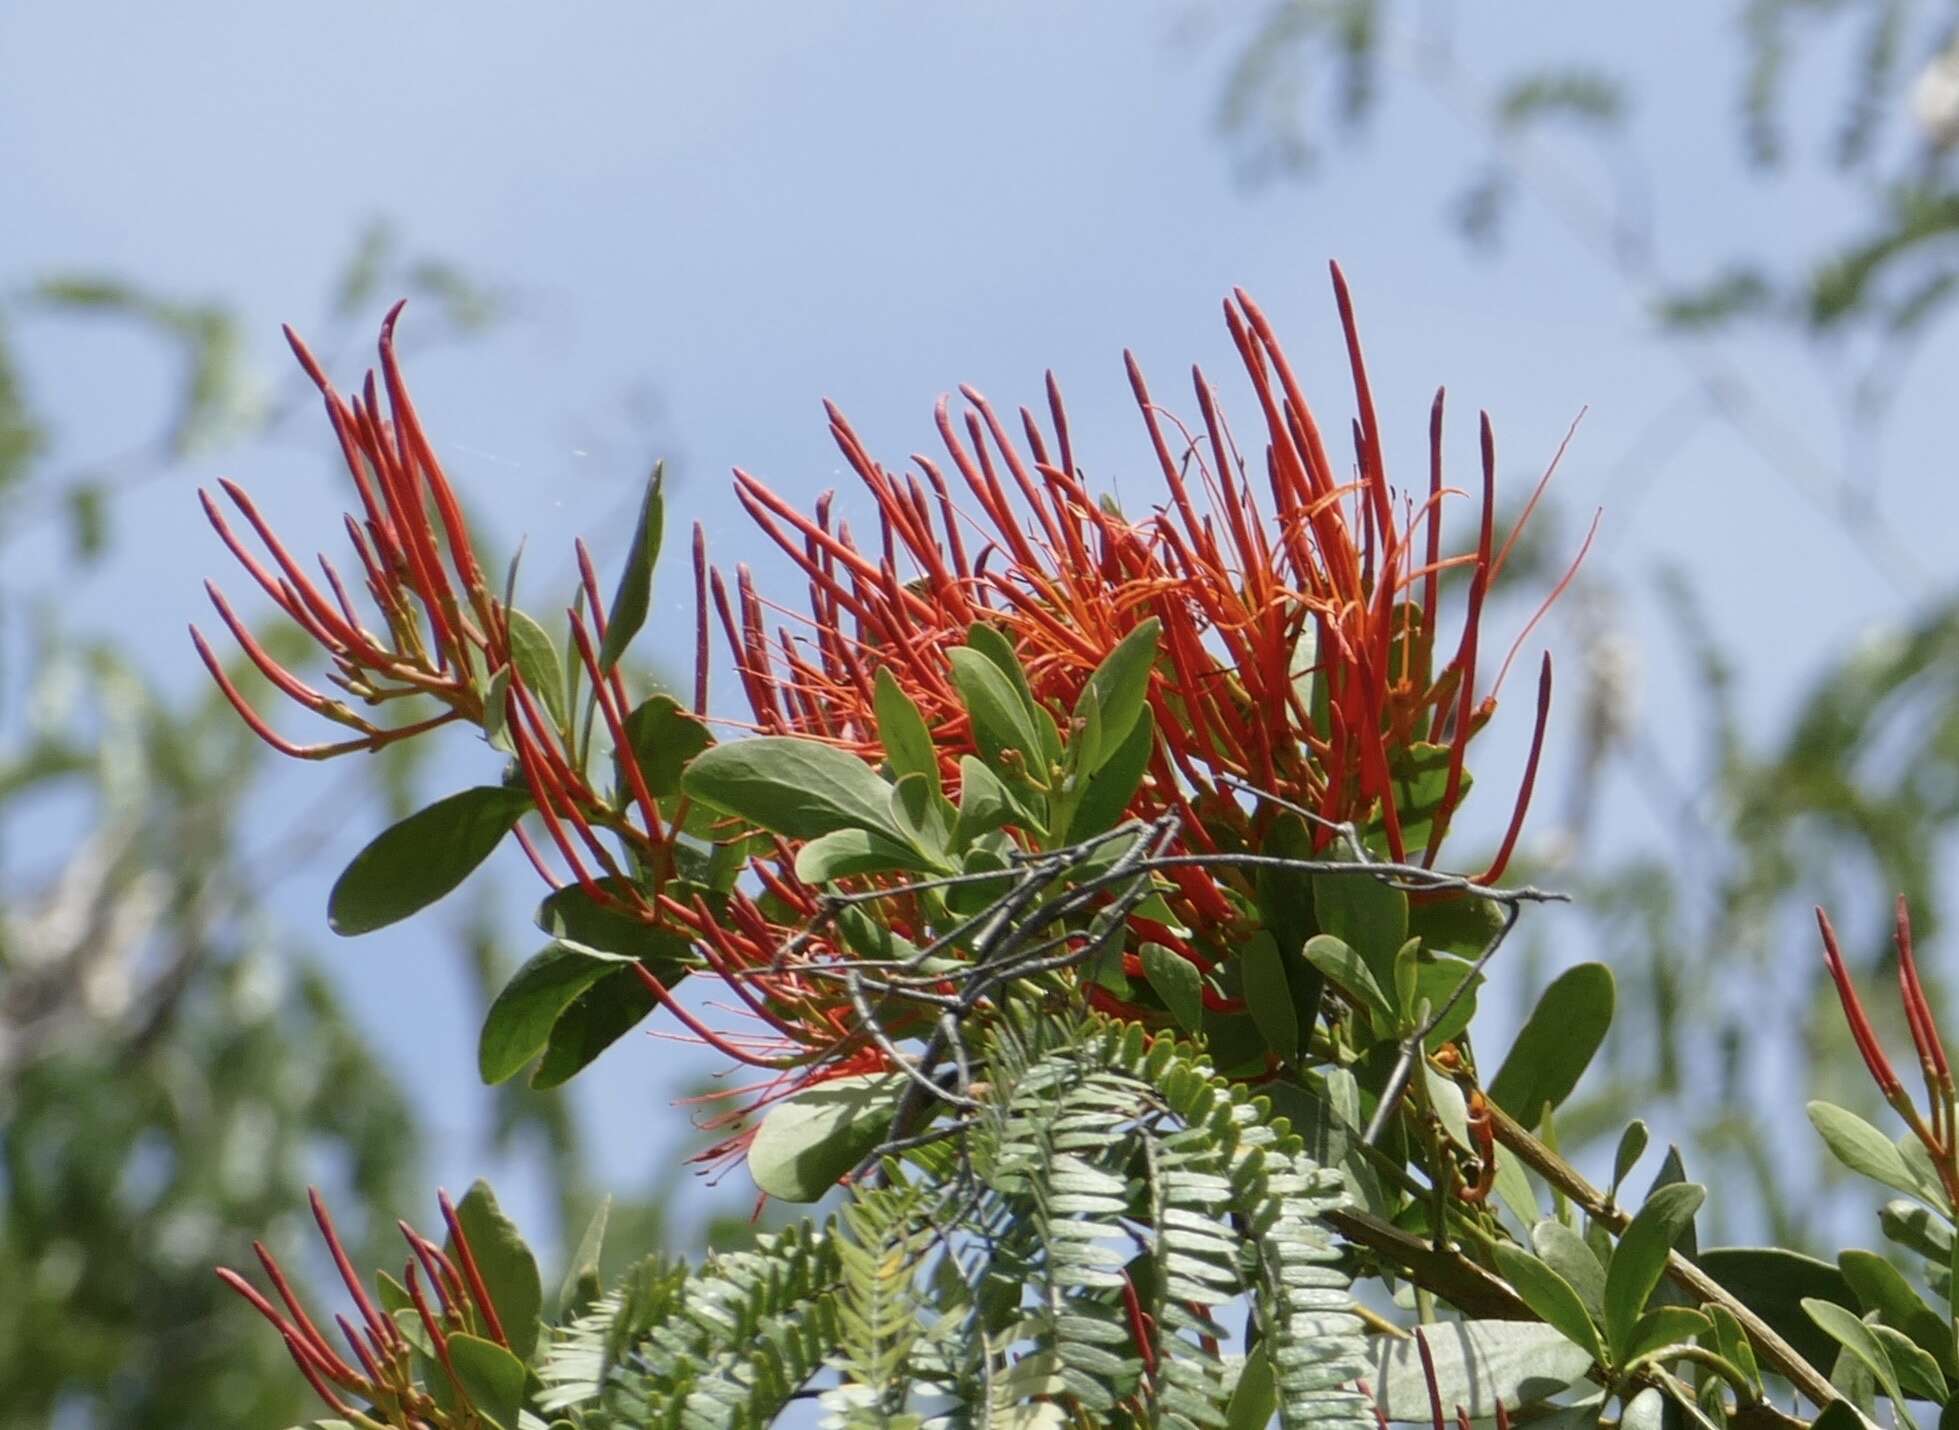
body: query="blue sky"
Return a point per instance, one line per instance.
(746, 209)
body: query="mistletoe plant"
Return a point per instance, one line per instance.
(1075, 875)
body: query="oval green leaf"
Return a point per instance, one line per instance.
(1640, 1259)
(1552, 1297)
(797, 788)
(491, 1377)
(410, 865)
(808, 1141)
(1557, 1043)
(508, 1268)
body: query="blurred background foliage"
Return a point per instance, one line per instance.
(174, 1068)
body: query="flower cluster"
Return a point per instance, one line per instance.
(1937, 1130)
(382, 1370)
(1300, 662)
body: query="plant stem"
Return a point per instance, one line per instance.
(1775, 1351)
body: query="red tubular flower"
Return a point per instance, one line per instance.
(1937, 1136)
(1299, 610)
(1297, 640)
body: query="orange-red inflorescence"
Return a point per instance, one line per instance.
(1936, 1128)
(1302, 623)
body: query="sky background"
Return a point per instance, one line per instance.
(710, 218)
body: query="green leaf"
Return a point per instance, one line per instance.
(1632, 1146)
(1918, 1371)
(581, 1286)
(593, 1022)
(1437, 976)
(1557, 1043)
(1478, 1365)
(663, 737)
(1345, 970)
(1566, 1253)
(1268, 995)
(1177, 982)
(521, 1016)
(1735, 1347)
(1119, 688)
(496, 709)
(490, 1376)
(984, 803)
(1916, 1227)
(635, 590)
(1861, 1147)
(1645, 1411)
(573, 916)
(808, 1141)
(844, 853)
(1367, 915)
(536, 659)
(1457, 923)
(908, 747)
(1665, 1326)
(1001, 721)
(1112, 787)
(1854, 1336)
(797, 788)
(993, 643)
(1552, 1297)
(410, 865)
(1255, 1398)
(1773, 1283)
(508, 1269)
(1881, 1287)
(1640, 1259)
(1285, 905)
(1421, 777)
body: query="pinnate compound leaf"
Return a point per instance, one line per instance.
(491, 1377)
(1861, 1147)
(1557, 1043)
(410, 865)
(1478, 1364)
(1640, 1259)
(508, 1268)
(801, 789)
(808, 1141)
(634, 593)
(1551, 1297)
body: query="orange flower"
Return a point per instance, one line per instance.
(1298, 629)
